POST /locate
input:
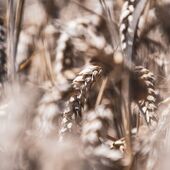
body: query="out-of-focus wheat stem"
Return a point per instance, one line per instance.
(18, 20)
(126, 115)
(14, 17)
(10, 38)
(111, 24)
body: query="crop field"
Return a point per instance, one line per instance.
(84, 84)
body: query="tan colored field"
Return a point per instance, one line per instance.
(84, 84)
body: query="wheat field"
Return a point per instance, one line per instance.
(84, 84)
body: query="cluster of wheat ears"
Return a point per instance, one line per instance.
(84, 84)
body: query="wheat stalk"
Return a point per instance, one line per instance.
(14, 17)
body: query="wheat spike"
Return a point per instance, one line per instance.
(76, 37)
(48, 110)
(126, 18)
(81, 86)
(94, 132)
(148, 105)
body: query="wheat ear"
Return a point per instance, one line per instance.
(81, 86)
(148, 106)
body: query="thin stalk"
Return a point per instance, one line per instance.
(14, 18)
(10, 38)
(126, 115)
(18, 20)
(100, 95)
(111, 24)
